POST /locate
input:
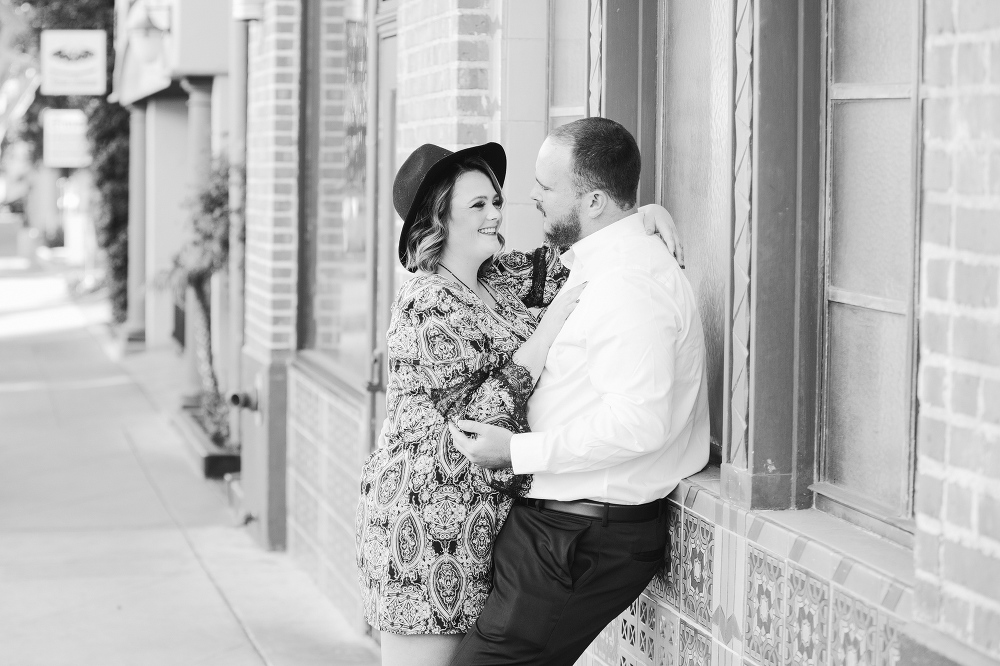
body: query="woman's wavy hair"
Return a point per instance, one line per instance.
(429, 232)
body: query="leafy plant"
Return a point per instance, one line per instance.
(107, 131)
(205, 252)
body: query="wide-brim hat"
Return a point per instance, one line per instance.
(420, 172)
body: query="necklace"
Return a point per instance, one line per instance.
(496, 302)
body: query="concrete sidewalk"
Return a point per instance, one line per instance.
(113, 549)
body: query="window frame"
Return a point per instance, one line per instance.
(829, 497)
(782, 377)
(308, 167)
(329, 363)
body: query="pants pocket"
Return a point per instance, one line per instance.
(650, 555)
(534, 574)
(651, 545)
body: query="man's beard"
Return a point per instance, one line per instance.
(565, 230)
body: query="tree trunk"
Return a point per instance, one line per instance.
(214, 408)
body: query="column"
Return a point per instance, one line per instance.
(237, 150)
(135, 323)
(199, 157)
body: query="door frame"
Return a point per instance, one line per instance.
(381, 26)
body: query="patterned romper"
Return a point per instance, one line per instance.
(427, 516)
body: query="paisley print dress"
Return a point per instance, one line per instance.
(427, 516)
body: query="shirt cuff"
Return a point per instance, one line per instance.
(526, 453)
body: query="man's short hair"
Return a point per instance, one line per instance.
(605, 157)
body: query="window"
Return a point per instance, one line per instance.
(867, 417)
(333, 253)
(568, 60)
(589, 77)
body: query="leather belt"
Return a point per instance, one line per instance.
(603, 511)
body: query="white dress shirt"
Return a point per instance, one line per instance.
(620, 412)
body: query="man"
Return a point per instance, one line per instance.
(619, 416)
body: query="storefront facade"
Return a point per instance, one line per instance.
(829, 168)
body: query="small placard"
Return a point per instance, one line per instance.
(64, 139)
(74, 62)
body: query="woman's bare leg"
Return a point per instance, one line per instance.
(419, 650)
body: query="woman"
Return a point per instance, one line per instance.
(462, 344)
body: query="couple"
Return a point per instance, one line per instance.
(567, 430)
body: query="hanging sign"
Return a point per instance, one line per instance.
(64, 139)
(74, 62)
(248, 10)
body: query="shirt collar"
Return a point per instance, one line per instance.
(590, 249)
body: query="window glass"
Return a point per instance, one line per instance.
(569, 37)
(873, 41)
(335, 307)
(868, 395)
(872, 202)
(867, 433)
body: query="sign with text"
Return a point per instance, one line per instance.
(64, 139)
(74, 62)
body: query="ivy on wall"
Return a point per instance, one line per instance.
(107, 131)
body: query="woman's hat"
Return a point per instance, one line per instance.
(420, 172)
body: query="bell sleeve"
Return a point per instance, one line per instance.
(534, 277)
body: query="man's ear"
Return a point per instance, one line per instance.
(596, 202)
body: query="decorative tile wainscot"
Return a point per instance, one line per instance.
(760, 589)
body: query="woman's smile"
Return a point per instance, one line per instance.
(475, 212)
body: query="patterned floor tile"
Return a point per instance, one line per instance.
(861, 580)
(667, 638)
(657, 587)
(765, 607)
(855, 626)
(905, 606)
(698, 560)
(605, 646)
(637, 632)
(675, 528)
(808, 621)
(729, 590)
(704, 503)
(625, 659)
(734, 519)
(888, 640)
(770, 536)
(815, 557)
(695, 647)
(724, 657)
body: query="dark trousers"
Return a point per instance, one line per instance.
(558, 581)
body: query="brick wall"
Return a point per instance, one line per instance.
(958, 486)
(272, 172)
(444, 73)
(326, 445)
(472, 71)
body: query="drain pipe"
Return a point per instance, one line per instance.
(237, 150)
